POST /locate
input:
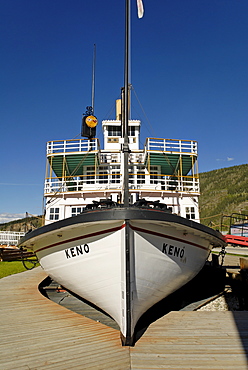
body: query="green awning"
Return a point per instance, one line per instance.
(170, 163)
(72, 165)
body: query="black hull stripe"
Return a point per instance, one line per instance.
(122, 213)
(119, 228)
(82, 237)
(167, 236)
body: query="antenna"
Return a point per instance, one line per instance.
(93, 79)
(89, 121)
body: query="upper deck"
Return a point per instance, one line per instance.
(80, 165)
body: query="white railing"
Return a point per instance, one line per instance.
(69, 146)
(152, 144)
(170, 145)
(10, 237)
(110, 158)
(116, 157)
(140, 181)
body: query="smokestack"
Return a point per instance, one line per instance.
(118, 109)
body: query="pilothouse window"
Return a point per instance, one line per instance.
(131, 131)
(114, 131)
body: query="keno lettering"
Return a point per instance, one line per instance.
(171, 250)
(77, 251)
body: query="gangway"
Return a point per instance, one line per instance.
(237, 240)
(238, 229)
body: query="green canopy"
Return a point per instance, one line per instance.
(72, 165)
(170, 163)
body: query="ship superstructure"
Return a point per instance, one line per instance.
(80, 172)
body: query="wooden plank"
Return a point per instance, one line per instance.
(39, 334)
(194, 340)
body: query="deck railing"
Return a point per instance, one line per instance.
(134, 157)
(69, 146)
(171, 145)
(188, 184)
(152, 144)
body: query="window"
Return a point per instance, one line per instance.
(103, 175)
(140, 174)
(113, 140)
(154, 174)
(114, 158)
(76, 211)
(115, 174)
(90, 175)
(190, 213)
(173, 184)
(54, 214)
(131, 174)
(114, 130)
(131, 131)
(115, 177)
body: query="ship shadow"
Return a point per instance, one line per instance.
(209, 282)
(70, 300)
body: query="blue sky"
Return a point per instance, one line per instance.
(189, 71)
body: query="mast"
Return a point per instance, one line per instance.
(125, 119)
(127, 340)
(93, 79)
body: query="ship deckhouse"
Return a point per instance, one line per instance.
(112, 132)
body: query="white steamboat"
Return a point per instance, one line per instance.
(122, 223)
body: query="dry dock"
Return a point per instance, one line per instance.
(37, 333)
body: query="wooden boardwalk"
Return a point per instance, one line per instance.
(36, 333)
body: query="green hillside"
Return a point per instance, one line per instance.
(223, 191)
(22, 225)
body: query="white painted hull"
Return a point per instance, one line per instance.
(89, 258)
(96, 275)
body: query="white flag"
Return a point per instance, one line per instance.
(140, 8)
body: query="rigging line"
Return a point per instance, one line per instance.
(153, 133)
(161, 149)
(112, 108)
(30, 214)
(93, 79)
(76, 136)
(109, 114)
(204, 218)
(169, 163)
(79, 164)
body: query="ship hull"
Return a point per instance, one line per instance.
(123, 260)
